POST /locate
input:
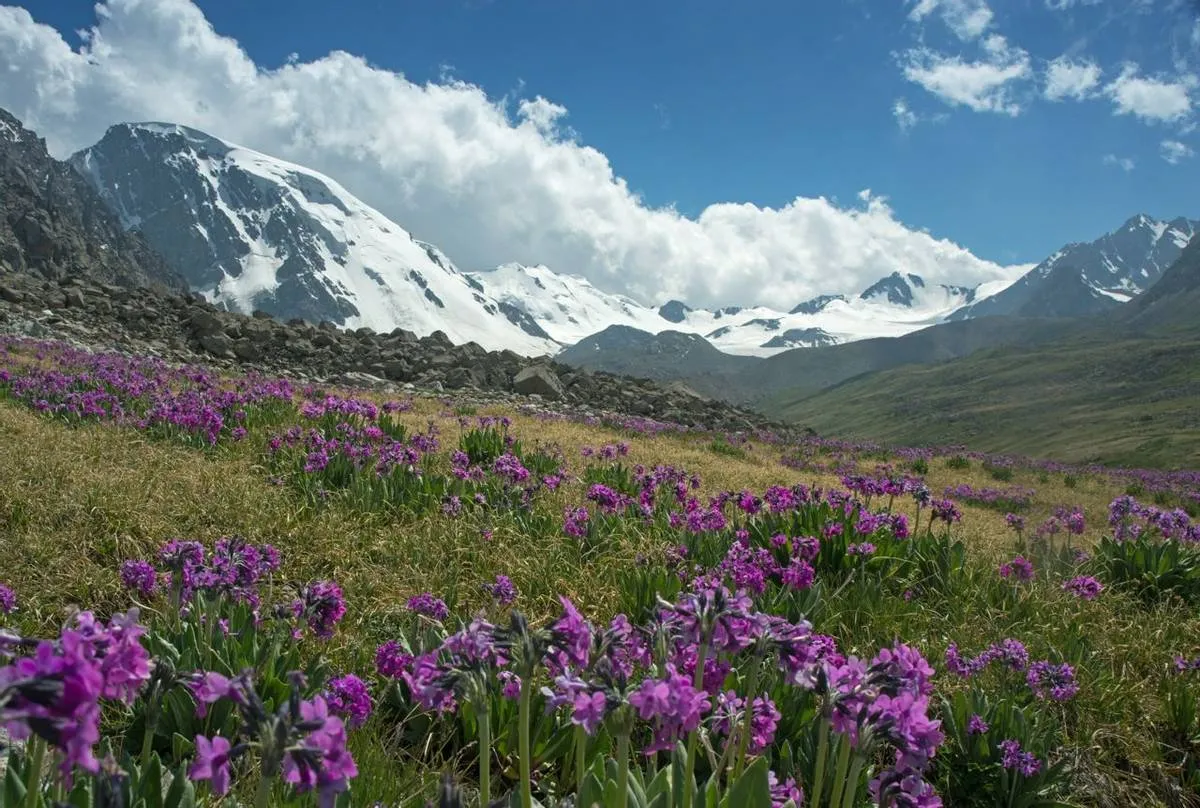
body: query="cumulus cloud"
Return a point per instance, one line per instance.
(1158, 100)
(1066, 78)
(985, 85)
(968, 19)
(1126, 164)
(905, 118)
(1174, 151)
(489, 180)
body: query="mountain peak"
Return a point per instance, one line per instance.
(250, 231)
(898, 289)
(674, 311)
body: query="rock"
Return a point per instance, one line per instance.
(246, 349)
(75, 298)
(217, 345)
(540, 380)
(205, 324)
(11, 295)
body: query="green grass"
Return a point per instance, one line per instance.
(1133, 402)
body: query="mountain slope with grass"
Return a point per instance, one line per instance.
(1122, 390)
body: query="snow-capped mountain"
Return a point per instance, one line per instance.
(1087, 278)
(250, 231)
(569, 308)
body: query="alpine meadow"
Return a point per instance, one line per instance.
(371, 436)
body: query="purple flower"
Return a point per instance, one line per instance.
(327, 745)
(8, 600)
(510, 685)
(782, 793)
(348, 697)
(391, 660)
(589, 710)
(323, 606)
(1013, 758)
(503, 590)
(1053, 681)
(729, 715)
(798, 575)
(976, 725)
(140, 577)
(572, 636)
(429, 606)
(672, 704)
(211, 763)
(1084, 586)
(1019, 569)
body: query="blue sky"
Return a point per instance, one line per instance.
(705, 103)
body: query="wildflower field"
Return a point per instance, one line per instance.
(243, 591)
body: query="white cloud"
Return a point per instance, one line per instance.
(1175, 152)
(968, 19)
(905, 118)
(1066, 78)
(452, 165)
(1151, 99)
(1126, 164)
(1063, 5)
(983, 86)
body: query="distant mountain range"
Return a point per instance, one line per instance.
(250, 231)
(1015, 366)
(1120, 388)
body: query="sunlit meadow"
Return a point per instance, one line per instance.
(244, 591)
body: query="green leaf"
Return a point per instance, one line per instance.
(181, 794)
(150, 784)
(14, 784)
(752, 789)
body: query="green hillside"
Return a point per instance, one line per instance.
(1126, 401)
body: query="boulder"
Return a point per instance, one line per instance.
(538, 380)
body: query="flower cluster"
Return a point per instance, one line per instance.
(56, 692)
(1010, 653)
(1084, 586)
(1012, 757)
(1019, 569)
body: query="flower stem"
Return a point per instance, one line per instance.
(151, 725)
(822, 757)
(523, 744)
(485, 757)
(852, 791)
(623, 770)
(262, 797)
(689, 784)
(840, 776)
(580, 759)
(270, 766)
(744, 738)
(33, 778)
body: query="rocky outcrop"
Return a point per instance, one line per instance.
(186, 328)
(53, 224)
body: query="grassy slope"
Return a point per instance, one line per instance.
(76, 502)
(1128, 401)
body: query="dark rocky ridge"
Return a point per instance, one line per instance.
(54, 225)
(186, 328)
